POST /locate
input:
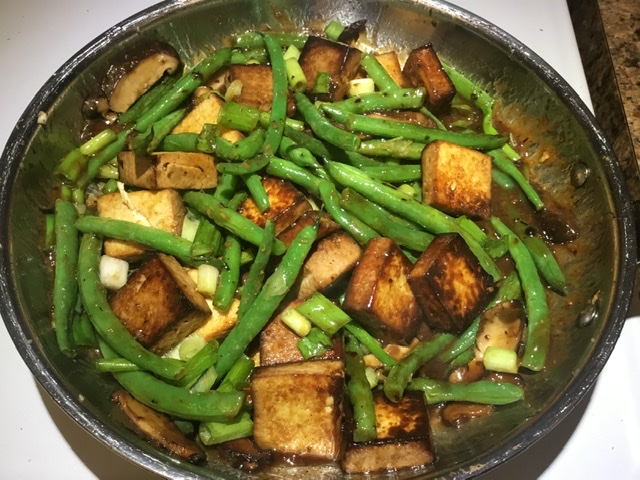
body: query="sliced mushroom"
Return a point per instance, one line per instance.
(127, 81)
(158, 428)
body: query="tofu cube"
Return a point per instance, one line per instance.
(179, 170)
(298, 408)
(279, 344)
(219, 323)
(378, 294)
(160, 304)
(257, 86)
(449, 284)
(161, 209)
(423, 68)
(340, 61)
(404, 438)
(286, 202)
(206, 110)
(456, 179)
(332, 259)
(391, 63)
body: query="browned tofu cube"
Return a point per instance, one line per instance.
(161, 209)
(333, 258)
(449, 283)
(326, 226)
(219, 322)
(456, 179)
(257, 86)
(206, 110)
(378, 294)
(340, 61)
(279, 344)
(297, 408)
(286, 202)
(391, 63)
(160, 304)
(404, 438)
(423, 68)
(179, 170)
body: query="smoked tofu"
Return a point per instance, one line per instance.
(179, 170)
(340, 61)
(286, 202)
(391, 63)
(160, 304)
(206, 111)
(456, 179)
(403, 437)
(161, 209)
(449, 284)
(423, 68)
(279, 344)
(378, 294)
(257, 86)
(219, 323)
(333, 258)
(326, 226)
(298, 408)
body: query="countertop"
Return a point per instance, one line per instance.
(39, 439)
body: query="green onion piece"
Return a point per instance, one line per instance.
(500, 359)
(295, 75)
(315, 344)
(322, 83)
(333, 30)
(98, 142)
(213, 433)
(208, 276)
(323, 313)
(296, 322)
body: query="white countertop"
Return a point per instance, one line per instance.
(600, 437)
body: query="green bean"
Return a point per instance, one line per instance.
(107, 325)
(386, 224)
(237, 378)
(302, 157)
(245, 167)
(393, 128)
(116, 365)
(377, 72)
(483, 391)
(370, 343)
(230, 220)
(176, 401)
(393, 147)
(179, 142)
(359, 230)
(510, 289)
(275, 130)
(259, 194)
(237, 200)
(214, 433)
(151, 237)
(433, 220)
(502, 163)
(148, 141)
(323, 128)
(502, 179)
(65, 287)
(545, 262)
(226, 187)
(147, 100)
(82, 330)
(184, 87)
(400, 374)
(359, 392)
(396, 99)
(198, 364)
(208, 239)
(536, 344)
(255, 277)
(394, 173)
(229, 277)
(101, 158)
(244, 149)
(266, 302)
(249, 56)
(290, 171)
(239, 117)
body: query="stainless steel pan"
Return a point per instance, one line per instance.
(536, 103)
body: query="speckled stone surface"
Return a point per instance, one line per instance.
(608, 36)
(621, 20)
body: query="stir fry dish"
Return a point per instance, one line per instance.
(301, 249)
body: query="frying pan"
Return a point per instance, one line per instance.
(536, 103)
